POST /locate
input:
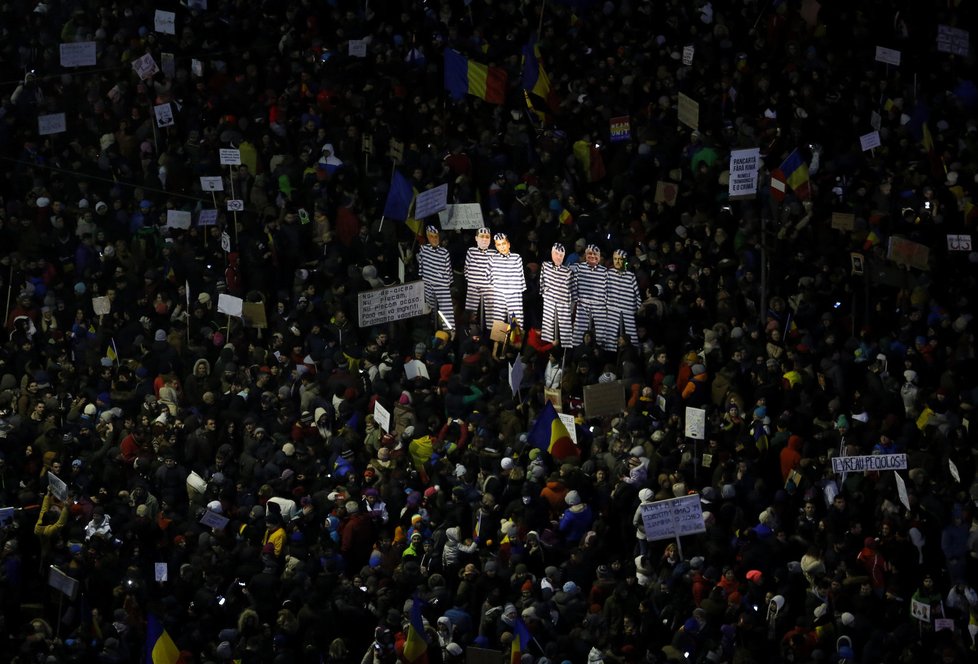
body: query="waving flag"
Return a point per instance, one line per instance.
(521, 641)
(416, 646)
(550, 434)
(535, 79)
(400, 200)
(464, 76)
(160, 648)
(796, 174)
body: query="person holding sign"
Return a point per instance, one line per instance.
(507, 281)
(50, 521)
(591, 279)
(435, 266)
(478, 294)
(623, 298)
(557, 289)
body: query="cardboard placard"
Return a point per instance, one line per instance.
(870, 141)
(358, 48)
(165, 22)
(689, 111)
(941, 624)
(688, 52)
(666, 519)
(666, 192)
(843, 221)
(207, 217)
(415, 369)
(101, 305)
(179, 219)
(695, 424)
(499, 331)
(431, 201)
(253, 315)
(382, 417)
(58, 488)
(603, 399)
(52, 123)
(888, 56)
(213, 520)
(229, 156)
(78, 54)
(461, 216)
(386, 305)
(570, 424)
(164, 115)
(145, 67)
(211, 183)
(958, 242)
(230, 305)
(554, 396)
(907, 252)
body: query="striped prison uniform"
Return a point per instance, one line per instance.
(477, 290)
(507, 281)
(592, 304)
(557, 289)
(436, 272)
(623, 301)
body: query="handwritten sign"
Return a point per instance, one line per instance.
(907, 252)
(744, 165)
(952, 40)
(52, 123)
(688, 52)
(868, 463)
(570, 424)
(382, 417)
(665, 519)
(888, 56)
(165, 22)
(213, 520)
(603, 399)
(207, 217)
(431, 201)
(843, 221)
(178, 219)
(621, 128)
(230, 305)
(385, 305)
(689, 111)
(211, 183)
(358, 48)
(78, 54)
(229, 156)
(869, 141)
(58, 488)
(461, 215)
(145, 67)
(695, 426)
(164, 115)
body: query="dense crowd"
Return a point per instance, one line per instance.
(166, 466)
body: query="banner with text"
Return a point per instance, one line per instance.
(385, 305)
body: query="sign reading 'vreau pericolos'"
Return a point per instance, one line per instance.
(869, 463)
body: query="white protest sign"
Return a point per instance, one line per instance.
(53, 123)
(165, 22)
(160, 572)
(63, 583)
(213, 520)
(178, 219)
(902, 490)
(744, 165)
(385, 305)
(358, 48)
(875, 120)
(164, 115)
(207, 217)
(235, 205)
(695, 427)
(869, 141)
(78, 54)
(58, 488)
(101, 305)
(461, 215)
(415, 369)
(515, 375)
(569, 424)
(168, 63)
(888, 56)
(941, 624)
(952, 40)
(665, 519)
(958, 242)
(145, 67)
(868, 463)
(382, 417)
(954, 470)
(211, 183)
(920, 610)
(230, 156)
(689, 111)
(230, 305)
(688, 52)
(431, 201)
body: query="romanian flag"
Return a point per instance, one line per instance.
(550, 434)
(590, 159)
(535, 79)
(464, 76)
(565, 216)
(112, 353)
(796, 174)
(416, 646)
(521, 641)
(160, 648)
(778, 185)
(400, 201)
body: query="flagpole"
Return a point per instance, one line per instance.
(543, 8)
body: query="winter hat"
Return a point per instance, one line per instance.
(755, 576)
(506, 463)
(645, 495)
(288, 449)
(572, 498)
(160, 335)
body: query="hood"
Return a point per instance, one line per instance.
(205, 363)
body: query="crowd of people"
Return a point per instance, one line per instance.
(177, 483)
